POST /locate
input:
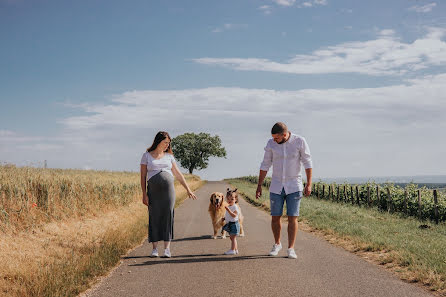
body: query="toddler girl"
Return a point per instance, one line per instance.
(232, 221)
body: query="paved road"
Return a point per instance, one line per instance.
(199, 268)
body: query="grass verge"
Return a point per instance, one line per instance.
(64, 258)
(414, 250)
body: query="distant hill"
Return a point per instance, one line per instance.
(418, 179)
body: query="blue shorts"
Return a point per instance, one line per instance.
(292, 203)
(233, 228)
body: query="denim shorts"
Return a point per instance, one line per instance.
(233, 228)
(292, 203)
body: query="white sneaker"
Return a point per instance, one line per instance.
(167, 253)
(291, 253)
(154, 253)
(275, 250)
(231, 252)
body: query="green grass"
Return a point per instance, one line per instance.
(419, 252)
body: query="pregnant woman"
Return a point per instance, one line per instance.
(158, 168)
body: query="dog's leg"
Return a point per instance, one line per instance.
(215, 233)
(223, 233)
(242, 231)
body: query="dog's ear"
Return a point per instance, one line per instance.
(212, 197)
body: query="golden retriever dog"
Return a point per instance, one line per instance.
(234, 194)
(217, 212)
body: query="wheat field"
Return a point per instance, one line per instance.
(61, 229)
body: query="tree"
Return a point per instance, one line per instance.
(193, 150)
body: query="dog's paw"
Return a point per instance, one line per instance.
(214, 237)
(223, 236)
(242, 235)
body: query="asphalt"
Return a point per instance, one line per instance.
(199, 268)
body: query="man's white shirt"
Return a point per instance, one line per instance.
(287, 159)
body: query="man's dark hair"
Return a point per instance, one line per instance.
(279, 128)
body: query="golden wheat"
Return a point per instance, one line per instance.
(80, 224)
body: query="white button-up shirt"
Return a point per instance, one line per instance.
(286, 159)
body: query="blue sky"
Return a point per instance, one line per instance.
(86, 84)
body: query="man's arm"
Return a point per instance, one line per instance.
(308, 164)
(309, 173)
(264, 167)
(262, 175)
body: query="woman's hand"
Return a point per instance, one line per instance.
(191, 195)
(145, 199)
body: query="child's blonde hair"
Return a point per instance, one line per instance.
(232, 193)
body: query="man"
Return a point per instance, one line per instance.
(286, 152)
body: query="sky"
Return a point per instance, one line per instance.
(87, 84)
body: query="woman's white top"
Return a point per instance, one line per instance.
(228, 217)
(155, 166)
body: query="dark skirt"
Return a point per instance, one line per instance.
(161, 192)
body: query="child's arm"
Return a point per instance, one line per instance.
(231, 213)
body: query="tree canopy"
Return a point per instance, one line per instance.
(193, 150)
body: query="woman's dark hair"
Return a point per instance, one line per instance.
(160, 136)
(279, 128)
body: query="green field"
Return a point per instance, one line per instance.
(415, 249)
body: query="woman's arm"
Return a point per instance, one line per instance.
(145, 198)
(177, 173)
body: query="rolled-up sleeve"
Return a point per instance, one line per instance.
(305, 154)
(267, 158)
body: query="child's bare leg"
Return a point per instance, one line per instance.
(233, 242)
(154, 244)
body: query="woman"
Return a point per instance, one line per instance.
(158, 168)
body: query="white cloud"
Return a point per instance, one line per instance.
(284, 2)
(361, 118)
(387, 32)
(265, 8)
(424, 8)
(144, 108)
(4, 133)
(368, 123)
(386, 55)
(320, 2)
(289, 3)
(228, 26)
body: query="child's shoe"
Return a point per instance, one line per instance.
(231, 252)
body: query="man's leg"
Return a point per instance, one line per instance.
(292, 230)
(293, 206)
(276, 226)
(276, 205)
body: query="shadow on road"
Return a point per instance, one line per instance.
(200, 258)
(193, 238)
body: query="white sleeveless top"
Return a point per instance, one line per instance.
(155, 166)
